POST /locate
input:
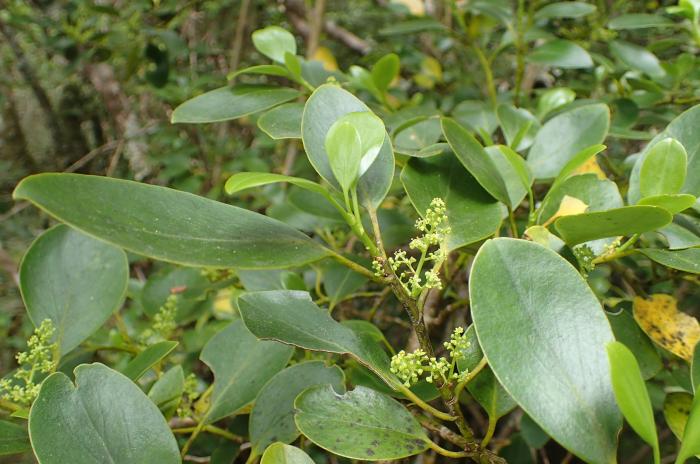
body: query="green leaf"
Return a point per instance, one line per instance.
(105, 417)
(627, 331)
(190, 283)
(672, 203)
(663, 170)
(477, 116)
(637, 57)
(554, 98)
(385, 71)
(167, 391)
(344, 148)
(676, 409)
(584, 126)
(695, 369)
(279, 453)
(690, 443)
(472, 213)
(561, 54)
(274, 42)
(340, 281)
(282, 122)
(632, 395)
(324, 107)
(272, 417)
(565, 10)
(599, 195)
(519, 126)
(14, 439)
(292, 317)
(361, 424)
(242, 364)
(226, 103)
(628, 220)
(147, 358)
(475, 159)
(264, 69)
(246, 180)
(75, 281)
(169, 225)
(513, 170)
(679, 237)
(574, 163)
(532, 297)
(638, 21)
(687, 260)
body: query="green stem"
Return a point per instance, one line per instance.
(425, 406)
(489, 432)
(488, 74)
(450, 454)
(354, 266)
(520, 51)
(10, 406)
(513, 225)
(473, 373)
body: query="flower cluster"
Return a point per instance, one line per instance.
(585, 256)
(163, 322)
(410, 367)
(38, 359)
(190, 393)
(408, 269)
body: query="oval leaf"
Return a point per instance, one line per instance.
(664, 169)
(147, 358)
(282, 122)
(75, 281)
(668, 327)
(105, 417)
(279, 453)
(167, 224)
(687, 260)
(561, 54)
(532, 297)
(274, 42)
(361, 424)
(14, 439)
(672, 203)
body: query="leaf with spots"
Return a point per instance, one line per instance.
(361, 424)
(668, 327)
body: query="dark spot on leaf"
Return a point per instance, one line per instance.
(369, 452)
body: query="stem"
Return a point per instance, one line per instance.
(450, 454)
(195, 433)
(425, 406)
(513, 225)
(470, 376)
(488, 74)
(489, 431)
(10, 406)
(354, 266)
(520, 51)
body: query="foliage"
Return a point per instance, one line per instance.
(463, 230)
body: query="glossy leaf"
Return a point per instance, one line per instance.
(292, 317)
(104, 417)
(14, 438)
(687, 260)
(668, 327)
(274, 42)
(246, 180)
(679, 237)
(475, 159)
(585, 126)
(75, 281)
(385, 71)
(283, 121)
(627, 220)
(672, 203)
(272, 417)
(638, 21)
(226, 103)
(264, 69)
(578, 160)
(599, 195)
(690, 443)
(167, 391)
(167, 224)
(279, 453)
(565, 10)
(637, 57)
(553, 99)
(147, 358)
(242, 364)
(561, 54)
(324, 107)
(361, 424)
(664, 169)
(189, 283)
(344, 148)
(632, 395)
(628, 332)
(532, 297)
(472, 213)
(513, 171)
(519, 126)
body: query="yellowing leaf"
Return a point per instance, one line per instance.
(671, 329)
(567, 207)
(415, 7)
(325, 56)
(431, 73)
(590, 167)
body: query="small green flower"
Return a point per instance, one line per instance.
(163, 322)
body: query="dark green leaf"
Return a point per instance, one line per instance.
(14, 439)
(637, 57)
(627, 331)
(561, 54)
(565, 10)
(167, 391)
(519, 126)
(147, 358)
(282, 122)
(687, 260)
(695, 369)
(167, 224)
(638, 21)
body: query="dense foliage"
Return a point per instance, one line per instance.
(406, 231)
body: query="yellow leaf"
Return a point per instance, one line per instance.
(430, 73)
(671, 329)
(325, 56)
(590, 167)
(415, 7)
(222, 303)
(567, 207)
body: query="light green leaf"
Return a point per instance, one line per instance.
(628, 220)
(628, 332)
(246, 180)
(75, 281)
(105, 417)
(676, 409)
(169, 225)
(672, 203)
(599, 195)
(690, 443)
(242, 364)
(584, 126)
(147, 358)
(554, 98)
(274, 42)
(292, 317)
(632, 395)
(385, 71)
(279, 453)
(519, 126)
(475, 159)
(695, 368)
(361, 424)
(532, 297)
(282, 122)
(687, 260)
(226, 103)
(637, 57)
(264, 69)
(344, 149)
(272, 417)
(638, 21)
(679, 237)
(574, 163)
(565, 10)
(561, 54)
(14, 439)
(472, 213)
(663, 170)
(167, 391)
(513, 170)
